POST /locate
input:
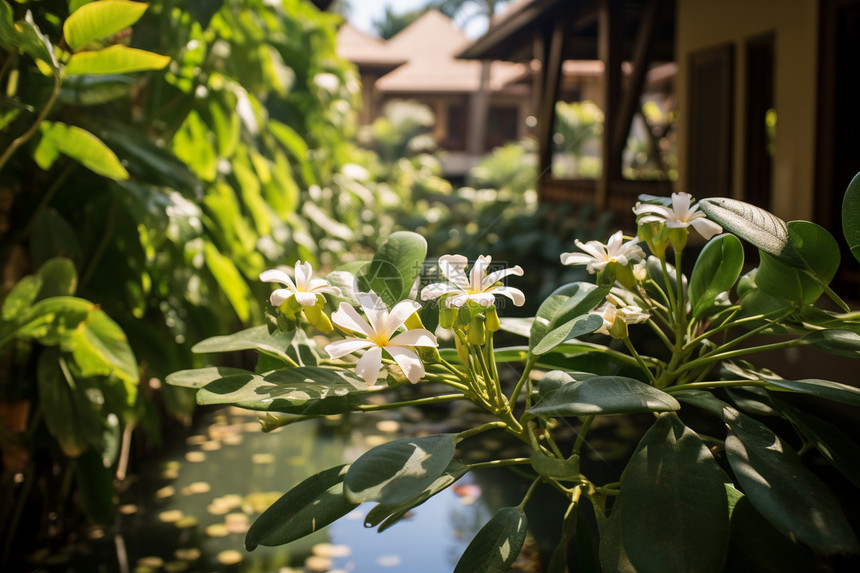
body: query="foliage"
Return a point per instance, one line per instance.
(148, 175)
(715, 476)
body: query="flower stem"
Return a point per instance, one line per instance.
(416, 402)
(500, 463)
(530, 363)
(641, 362)
(715, 384)
(479, 430)
(529, 493)
(580, 438)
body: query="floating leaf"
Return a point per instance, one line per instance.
(497, 544)
(395, 267)
(398, 471)
(117, 59)
(716, 270)
(675, 516)
(603, 395)
(308, 507)
(98, 20)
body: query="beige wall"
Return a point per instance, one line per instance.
(709, 23)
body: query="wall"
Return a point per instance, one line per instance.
(709, 23)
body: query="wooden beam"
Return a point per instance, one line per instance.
(608, 48)
(631, 100)
(552, 48)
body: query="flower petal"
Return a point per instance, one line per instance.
(374, 309)
(303, 275)
(483, 298)
(596, 249)
(496, 276)
(457, 301)
(479, 270)
(320, 285)
(681, 205)
(576, 259)
(278, 296)
(306, 298)
(416, 337)
(277, 276)
(661, 211)
(368, 366)
(340, 348)
(408, 361)
(706, 228)
(398, 315)
(436, 290)
(512, 293)
(453, 267)
(348, 318)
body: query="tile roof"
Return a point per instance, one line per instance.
(365, 49)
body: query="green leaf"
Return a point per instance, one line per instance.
(759, 227)
(836, 446)
(851, 216)
(98, 20)
(584, 324)
(497, 544)
(194, 144)
(675, 516)
(763, 547)
(307, 390)
(787, 494)
(716, 270)
(83, 147)
(387, 515)
(31, 40)
(395, 267)
(804, 281)
(842, 342)
(296, 146)
(557, 316)
(67, 413)
(53, 236)
(22, 295)
(116, 59)
(556, 468)
(821, 388)
(311, 505)
(58, 278)
(7, 26)
(613, 557)
(100, 348)
(54, 320)
(230, 280)
(197, 378)
(95, 90)
(398, 471)
(95, 487)
(255, 338)
(604, 395)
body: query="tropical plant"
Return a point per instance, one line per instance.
(148, 176)
(715, 479)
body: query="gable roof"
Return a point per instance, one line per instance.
(365, 50)
(429, 45)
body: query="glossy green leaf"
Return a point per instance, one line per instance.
(22, 295)
(821, 388)
(100, 348)
(557, 315)
(194, 144)
(98, 20)
(309, 506)
(54, 320)
(761, 546)
(117, 59)
(842, 342)
(66, 413)
(398, 471)
(58, 278)
(579, 326)
(604, 395)
(497, 544)
(82, 146)
(31, 40)
(613, 557)
(835, 445)
(520, 326)
(851, 216)
(7, 26)
(230, 280)
(307, 390)
(716, 270)
(674, 516)
(787, 494)
(387, 515)
(753, 224)
(295, 146)
(395, 267)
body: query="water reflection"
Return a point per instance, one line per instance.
(190, 511)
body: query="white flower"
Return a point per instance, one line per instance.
(597, 255)
(680, 215)
(610, 313)
(305, 289)
(479, 287)
(380, 334)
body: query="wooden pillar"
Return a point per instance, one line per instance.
(551, 51)
(609, 51)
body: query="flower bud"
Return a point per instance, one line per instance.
(678, 238)
(492, 323)
(318, 319)
(477, 332)
(462, 349)
(446, 316)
